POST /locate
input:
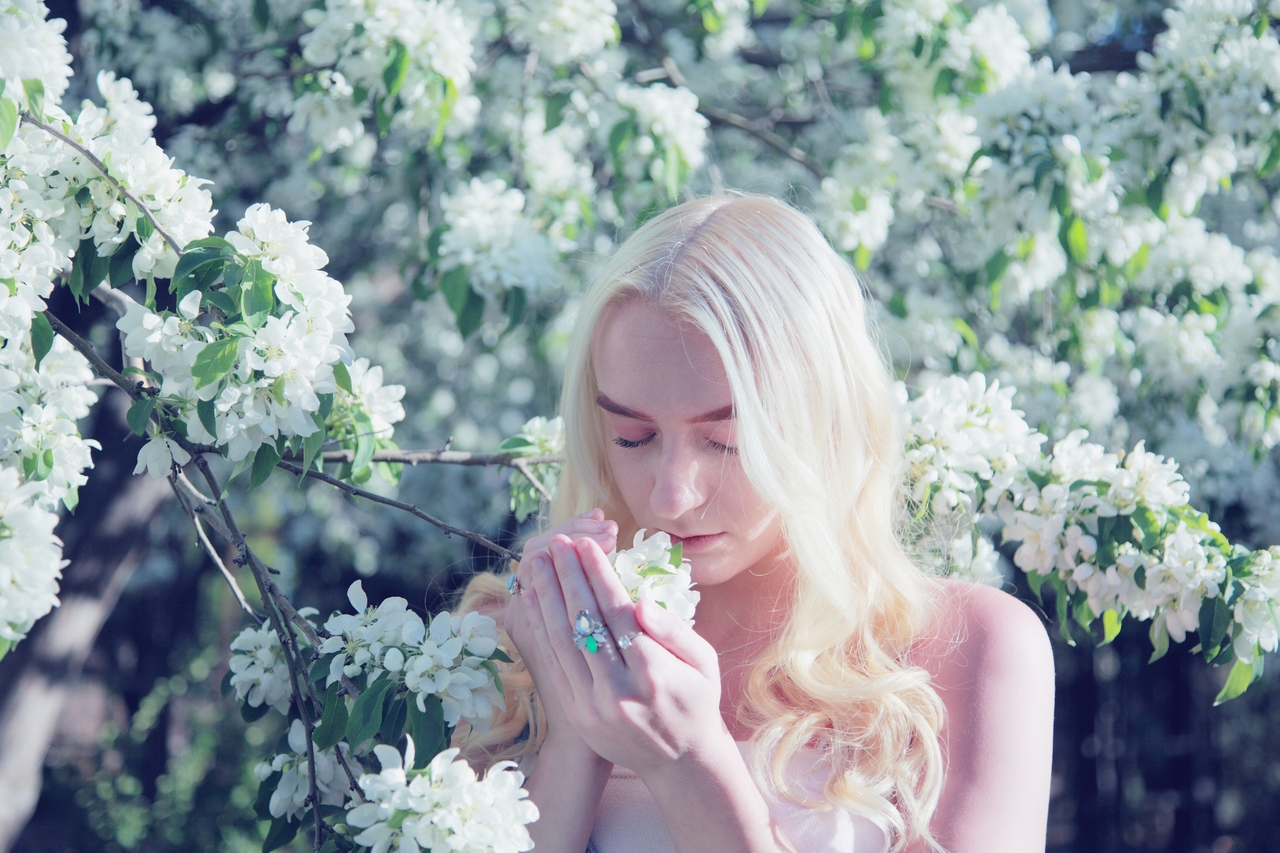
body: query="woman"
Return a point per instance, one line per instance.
(723, 386)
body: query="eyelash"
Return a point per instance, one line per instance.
(627, 443)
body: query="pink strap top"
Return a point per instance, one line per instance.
(628, 820)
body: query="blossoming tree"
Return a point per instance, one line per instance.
(1105, 244)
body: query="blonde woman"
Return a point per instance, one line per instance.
(723, 386)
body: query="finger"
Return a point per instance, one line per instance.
(617, 610)
(543, 646)
(606, 538)
(578, 597)
(671, 632)
(558, 624)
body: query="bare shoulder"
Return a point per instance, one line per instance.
(981, 636)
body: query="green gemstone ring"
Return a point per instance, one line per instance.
(589, 633)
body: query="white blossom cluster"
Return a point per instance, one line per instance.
(289, 799)
(444, 806)
(490, 236)
(653, 568)
(1116, 528)
(448, 658)
(280, 369)
(259, 672)
(668, 122)
(563, 31)
(354, 42)
(30, 558)
(32, 48)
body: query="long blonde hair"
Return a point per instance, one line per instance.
(819, 438)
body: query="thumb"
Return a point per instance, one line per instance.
(671, 632)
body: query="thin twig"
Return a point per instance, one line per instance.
(213, 554)
(523, 467)
(99, 364)
(102, 167)
(445, 457)
(449, 529)
(743, 123)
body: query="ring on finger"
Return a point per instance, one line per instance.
(624, 642)
(588, 633)
(513, 585)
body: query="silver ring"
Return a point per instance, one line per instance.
(513, 585)
(624, 642)
(588, 633)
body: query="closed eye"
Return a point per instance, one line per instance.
(623, 442)
(723, 448)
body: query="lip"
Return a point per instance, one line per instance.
(694, 544)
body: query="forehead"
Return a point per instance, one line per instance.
(648, 360)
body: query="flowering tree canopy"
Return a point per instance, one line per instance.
(1104, 244)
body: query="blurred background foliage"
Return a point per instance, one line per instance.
(148, 757)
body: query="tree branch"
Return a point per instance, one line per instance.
(213, 552)
(449, 529)
(446, 457)
(86, 349)
(102, 167)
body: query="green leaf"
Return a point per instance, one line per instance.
(208, 414)
(1261, 25)
(427, 728)
(555, 110)
(257, 296)
(311, 449)
(41, 337)
(499, 654)
(262, 802)
(142, 225)
(395, 717)
(215, 361)
(676, 558)
(281, 833)
(396, 69)
(454, 286)
(674, 171)
(250, 714)
(1063, 602)
(1238, 681)
(34, 88)
(366, 443)
(196, 270)
(8, 121)
(862, 258)
(897, 304)
(619, 138)
(1035, 581)
(261, 14)
(1159, 636)
(471, 313)
(1268, 165)
(121, 265)
(224, 303)
(140, 413)
(1078, 241)
(71, 499)
(1111, 623)
(264, 462)
(366, 714)
(1147, 527)
(1215, 620)
(1082, 612)
(342, 376)
(333, 720)
(516, 301)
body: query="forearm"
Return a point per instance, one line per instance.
(711, 805)
(566, 785)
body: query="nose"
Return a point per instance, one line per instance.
(677, 482)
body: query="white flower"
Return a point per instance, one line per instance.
(259, 672)
(289, 799)
(442, 807)
(651, 568)
(158, 456)
(452, 663)
(563, 30)
(670, 116)
(30, 558)
(490, 236)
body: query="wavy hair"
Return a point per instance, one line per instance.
(819, 439)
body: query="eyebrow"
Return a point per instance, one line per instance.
(723, 413)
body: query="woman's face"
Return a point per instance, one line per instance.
(667, 413)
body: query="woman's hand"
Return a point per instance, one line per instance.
(646, 707)
(587, 526)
